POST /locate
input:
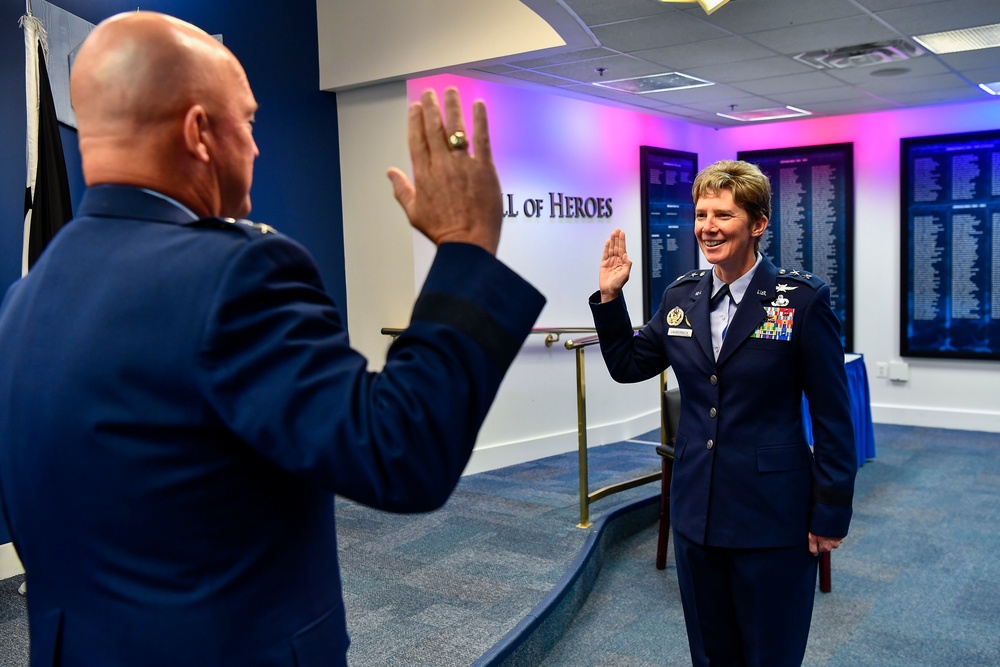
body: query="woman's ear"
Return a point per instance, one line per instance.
(758, 226)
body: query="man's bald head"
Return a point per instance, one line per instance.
(149, 92)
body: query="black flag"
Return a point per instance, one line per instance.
(47, 205)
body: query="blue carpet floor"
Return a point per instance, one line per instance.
(917, 583)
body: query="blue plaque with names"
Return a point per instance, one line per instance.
(950, 229)
(669, 247)
(812, 218)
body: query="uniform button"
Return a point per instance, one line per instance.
(713, 412)
(713, 379)
(710, 444)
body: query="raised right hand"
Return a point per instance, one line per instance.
(455, 194)
(615, 267)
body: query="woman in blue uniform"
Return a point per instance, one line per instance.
(752, 506)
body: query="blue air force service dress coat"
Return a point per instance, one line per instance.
(180, 404)
(744, 475)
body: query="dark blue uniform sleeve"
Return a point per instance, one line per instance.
(824, 380)
(630, 356)
(281, 374)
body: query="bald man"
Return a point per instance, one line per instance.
(180, 400)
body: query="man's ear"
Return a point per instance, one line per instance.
(196, 132)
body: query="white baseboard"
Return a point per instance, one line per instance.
(964, 420)
(491, 457)
(10, 564)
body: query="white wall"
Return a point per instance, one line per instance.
(378, 243)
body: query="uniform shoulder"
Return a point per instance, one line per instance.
(799, 277)
(690, 276)
(248, 228)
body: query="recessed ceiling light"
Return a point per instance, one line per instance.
(766, 114)
(969, 39)
(654, 83)
(991, 88)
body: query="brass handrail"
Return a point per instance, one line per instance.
(586, 495)
(577, 345)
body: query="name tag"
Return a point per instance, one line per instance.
(683, 333)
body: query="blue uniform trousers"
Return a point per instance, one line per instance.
(746, 607)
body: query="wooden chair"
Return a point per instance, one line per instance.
(670, 407)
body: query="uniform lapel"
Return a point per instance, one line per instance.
(750, 314)
(698, 314)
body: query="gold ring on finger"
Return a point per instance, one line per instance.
(458, 141)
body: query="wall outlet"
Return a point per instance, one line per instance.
(899, 371)
(882, 369)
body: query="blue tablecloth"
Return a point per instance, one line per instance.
(861, 409)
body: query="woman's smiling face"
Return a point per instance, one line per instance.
(726, 234)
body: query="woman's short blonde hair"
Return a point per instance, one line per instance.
(750, 187)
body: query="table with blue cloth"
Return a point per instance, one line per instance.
(861, 409)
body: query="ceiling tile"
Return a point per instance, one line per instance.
(932, 97)
(656, 32)
(560, 58)
(744, 70)
(782, 84)
(890, 85)
(596, 12)
(932, 18)
(804, 98)
(709, 52)
(747, 16)
(536, 77)
(827, 35)
(616, 67)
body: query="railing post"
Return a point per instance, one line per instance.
(581, 426)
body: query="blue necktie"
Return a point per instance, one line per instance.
(716, 298)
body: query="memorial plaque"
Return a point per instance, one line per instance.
(669, 248)
(950, 232)
(812, 218)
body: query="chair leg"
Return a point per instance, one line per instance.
(663, 535)
(824, 572)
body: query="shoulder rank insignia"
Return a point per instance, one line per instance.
(685, 277)
(259, 226)
(231, 223)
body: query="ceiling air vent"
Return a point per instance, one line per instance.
(862, 55)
